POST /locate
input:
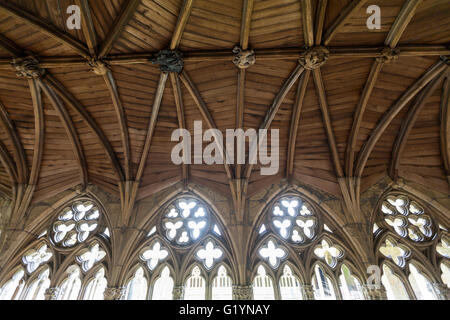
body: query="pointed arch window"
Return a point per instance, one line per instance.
(322, 285)
(351, 288)
(395, 288)
(222, 285)
(137, 286)
(163, 287)
(195, 288)
(289, 285)
(263, 285)
(445, 268)
(422, 286)
(13, 288)
(71, 286)
(37, 287)
(95, 288)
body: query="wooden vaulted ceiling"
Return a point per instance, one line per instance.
(353, 117)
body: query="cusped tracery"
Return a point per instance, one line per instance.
(75, 223)
(294, 220)
(407, 218)
(185, 221)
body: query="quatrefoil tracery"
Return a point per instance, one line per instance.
(185, 222)
(294, 220)
(76, 223)
(407, 218)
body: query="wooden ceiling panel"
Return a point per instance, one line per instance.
(430, 24)
(343, 99)
(421, 159)
(276, 24)
(137, 87)
(355, 30)
(151, 27)
(394, 79)
(216, 83)
(213, 24)
(312, 161)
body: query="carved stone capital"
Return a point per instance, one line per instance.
(442, 291)
(314, 57)
(178, 293)
(52, 293)
(243, 58)
(28, 67)
(98, 67)
(374, 292)
(388, 55)
(242, 293)
(169, 61)
(307, 291)
(114, 293)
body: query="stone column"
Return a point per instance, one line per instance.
(52, 293)
(114, 293)
(243, 292)
(374, 292)
(178, 293)
(442, 291)
(307, 291)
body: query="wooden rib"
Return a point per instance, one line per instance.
(344, 15)
(327, 122)
(408, 124)
(122, 20)
(178, 96)
(298, 104)
(8, 164)
(247, 10)
(240, 105)
(12, 10)
(81, 110)
(271, 113)
(307, 22)
(320, 20)
(39, 132)
(445, 127)
(359, 113)
(121, 117)
(206, 115)
(183, 18)
(18, 150)
(152, 123)
(88, 26)
(401, 22)
(72, 134)
(10, 46)
(387, 118)
(225, 55)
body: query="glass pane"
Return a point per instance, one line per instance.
(395, 288)
(222, 286)
(195, 288)
(289, 286)
(423, 289)
(263, 286)
(323, 287)
(163, 287)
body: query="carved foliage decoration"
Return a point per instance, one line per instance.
(314, 58)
